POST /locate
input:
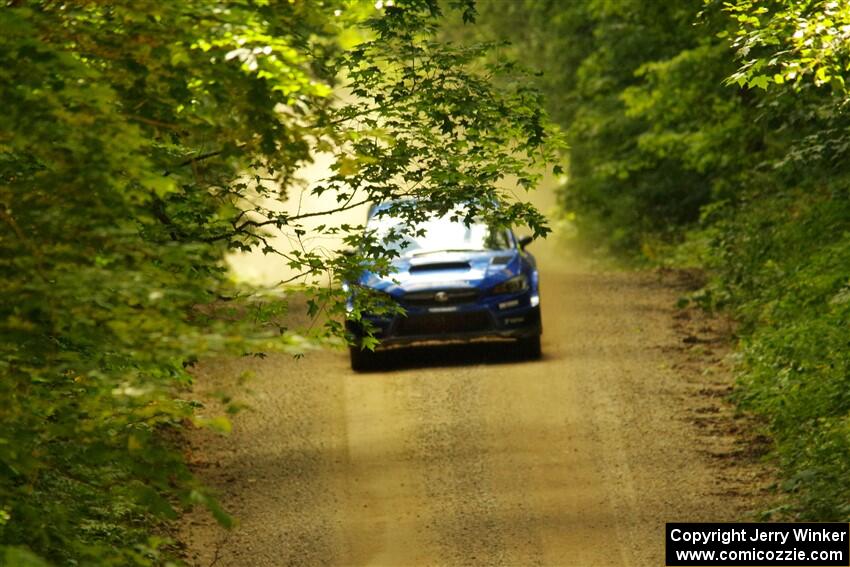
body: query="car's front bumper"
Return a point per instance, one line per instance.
(502, 318)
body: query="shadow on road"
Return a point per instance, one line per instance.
(435, 356)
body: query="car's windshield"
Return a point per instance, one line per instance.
(441, 234)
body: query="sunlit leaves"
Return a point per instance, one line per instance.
(793, 43)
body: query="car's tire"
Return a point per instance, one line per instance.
(530, 348)
(362, 359)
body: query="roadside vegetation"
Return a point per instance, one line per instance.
(143, 141)
(716, 135)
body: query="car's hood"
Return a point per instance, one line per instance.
(447, 269)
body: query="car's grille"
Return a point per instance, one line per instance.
(440, 323)
(439, 298)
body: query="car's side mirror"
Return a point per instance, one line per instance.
(525, 241)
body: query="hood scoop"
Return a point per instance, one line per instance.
(438, 267)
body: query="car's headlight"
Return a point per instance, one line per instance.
(514, 285)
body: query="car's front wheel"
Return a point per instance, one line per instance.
(362, 359)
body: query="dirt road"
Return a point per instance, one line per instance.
(463, 456)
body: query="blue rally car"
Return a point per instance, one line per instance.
(454, 282)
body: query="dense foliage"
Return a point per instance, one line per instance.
(140, 142)
(716, 134)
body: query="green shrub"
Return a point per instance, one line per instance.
(785, 270)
